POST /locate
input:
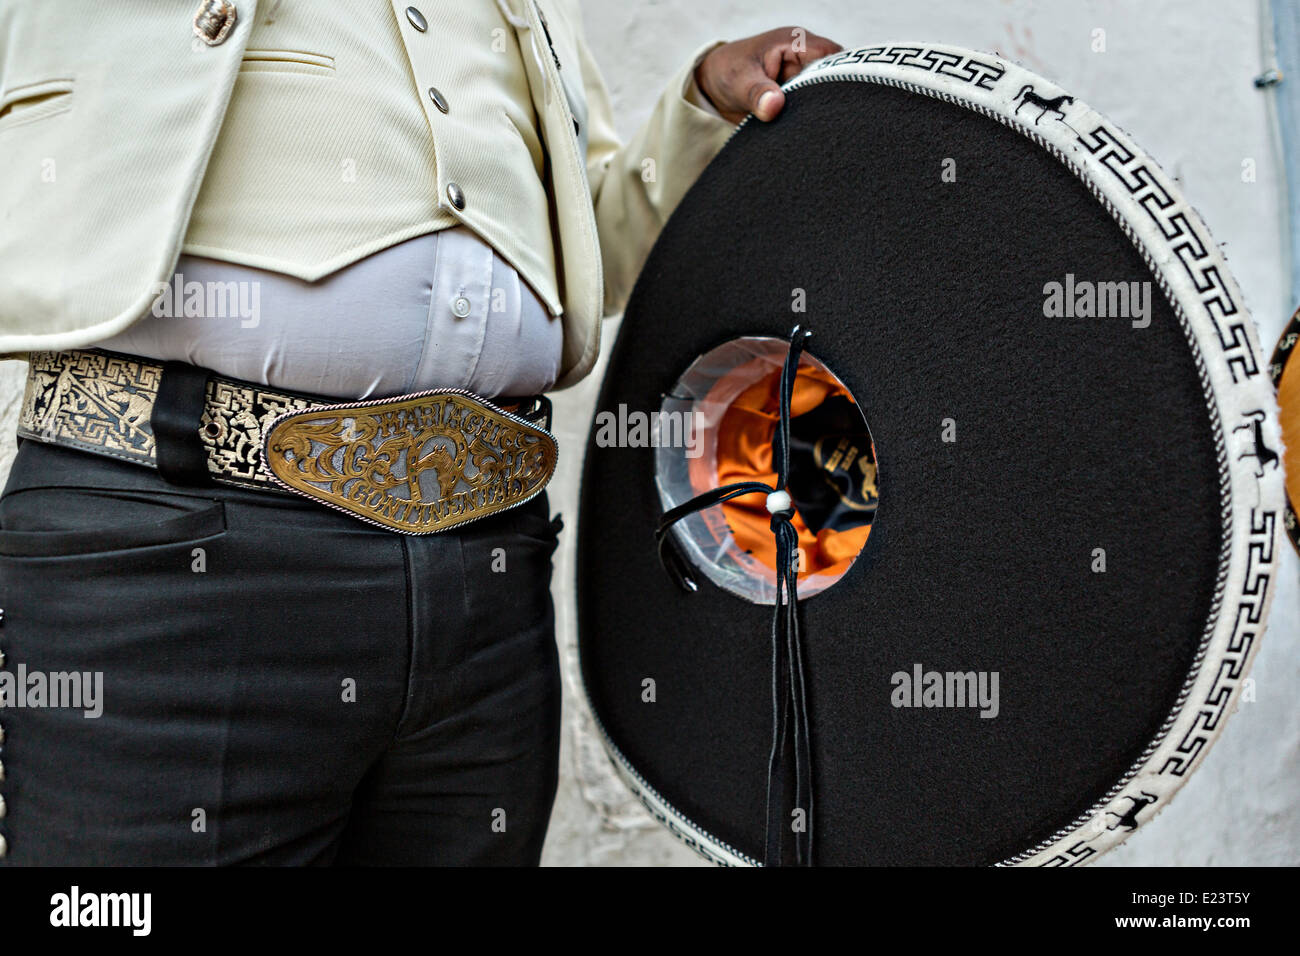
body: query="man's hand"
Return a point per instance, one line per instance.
(744, 76)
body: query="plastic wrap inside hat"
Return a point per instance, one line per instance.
(1022, 490)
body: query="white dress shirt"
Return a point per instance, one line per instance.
(438, 311)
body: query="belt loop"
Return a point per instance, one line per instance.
(177, 414)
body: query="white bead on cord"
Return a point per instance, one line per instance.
(778, 501)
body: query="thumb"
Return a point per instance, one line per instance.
(766, 99)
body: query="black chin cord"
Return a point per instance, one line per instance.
(789, 808)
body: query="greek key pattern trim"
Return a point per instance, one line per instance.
(968, 69)
(1247, 627)
(1188, 244)
(1079, 853)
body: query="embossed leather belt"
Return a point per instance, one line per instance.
(416, 464)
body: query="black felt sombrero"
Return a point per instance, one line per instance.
(1069, 490)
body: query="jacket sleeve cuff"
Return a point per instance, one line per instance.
(690, 89)
(691, 131)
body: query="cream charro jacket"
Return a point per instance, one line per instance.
(109, 114)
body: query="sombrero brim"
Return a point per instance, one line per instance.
(926, 294)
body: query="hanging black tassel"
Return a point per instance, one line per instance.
(790, 734)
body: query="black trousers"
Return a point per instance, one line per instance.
(281, 683)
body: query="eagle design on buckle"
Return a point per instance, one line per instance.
(414, 464)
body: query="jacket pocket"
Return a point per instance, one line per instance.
(63, 522)
(34, 101)
(287, 61)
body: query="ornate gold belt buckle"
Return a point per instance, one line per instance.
(417, 464)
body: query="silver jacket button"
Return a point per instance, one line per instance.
(460, 306)
(214, 21)
(439, 100)
(456, 196)
(417, 19)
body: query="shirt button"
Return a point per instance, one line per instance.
(439, 100)
(460, 306)
(455, 195)
(417, 19)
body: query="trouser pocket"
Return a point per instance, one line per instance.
(66, 521)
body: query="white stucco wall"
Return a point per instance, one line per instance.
(1177, 76)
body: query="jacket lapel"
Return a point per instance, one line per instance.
(577, 245)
